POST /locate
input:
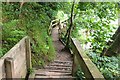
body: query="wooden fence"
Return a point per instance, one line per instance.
(16, 62)
(81, 60)
(52, 24)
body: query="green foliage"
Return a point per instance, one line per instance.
(95, 19)
(30, 71)
(33, 20)
(11, 35)
(62, 16)
(94, 27)
(80, 74)
(97, 26)
(109, 66)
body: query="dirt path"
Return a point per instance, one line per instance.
(60, 54)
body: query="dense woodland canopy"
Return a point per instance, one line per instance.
(93, 23)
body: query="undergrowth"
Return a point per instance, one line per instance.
(32, 20)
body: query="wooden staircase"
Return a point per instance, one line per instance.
(56, 70)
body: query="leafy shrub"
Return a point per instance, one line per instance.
(32, 20)
(11, 35)
(79, 74)
(109, 66)
(93, 25)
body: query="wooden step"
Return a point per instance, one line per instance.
(47, 73)
(58, 68)
(59, 64)
(58, 61)
(69, 77)
(60, 71)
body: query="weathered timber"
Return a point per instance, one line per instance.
(28, 53)
(14, 63)
(9, 66)
(52, 24)
(82, 60)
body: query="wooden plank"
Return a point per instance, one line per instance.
(54, 24)
(60, 61)
(11, 53)
(89, 68)
(28, 53)
(21, 72)
(9, 65)
(54, 20)
(75, 65)
(60, 71)
(1, 72)
(47, 73)
(2, 69)
(21, 68)
(54, 77)
(57, 64)
(58, 68)
(18, 62)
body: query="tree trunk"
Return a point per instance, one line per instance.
(68, 34)
(109, 52)
(116, 33)
(114, 49)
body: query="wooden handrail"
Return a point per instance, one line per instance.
(83, 61)
(17, 61)
(51, 25)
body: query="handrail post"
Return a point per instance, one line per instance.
(81, 59)
(28, 53)
(73, 66)
(59, 30)
(9, 68)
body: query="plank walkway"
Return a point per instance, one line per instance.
(61, 67)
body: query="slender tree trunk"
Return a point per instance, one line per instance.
(68, 29)
(68, 34)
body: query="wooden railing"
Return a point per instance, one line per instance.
(80, 59)
(17, 61)
(52, 24)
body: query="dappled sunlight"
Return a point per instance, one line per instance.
(61, 15)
